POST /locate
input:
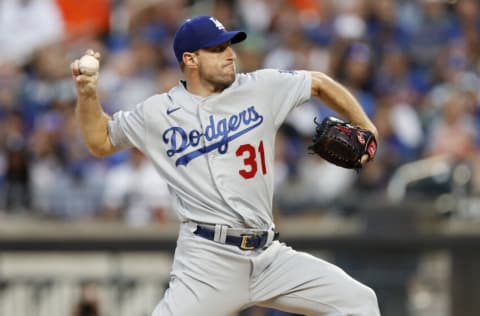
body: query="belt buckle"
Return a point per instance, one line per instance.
(243, 244)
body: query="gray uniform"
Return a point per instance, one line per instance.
(217, 155)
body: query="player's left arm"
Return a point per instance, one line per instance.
(339, 99)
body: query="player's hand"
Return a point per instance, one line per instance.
(86, 84)
(365, 158)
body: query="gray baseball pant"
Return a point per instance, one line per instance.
(213, 279)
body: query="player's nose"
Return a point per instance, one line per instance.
(231, 55)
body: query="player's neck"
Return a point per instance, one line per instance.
(198, 90)
(203, 88)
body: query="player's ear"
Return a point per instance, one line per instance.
(190, 59)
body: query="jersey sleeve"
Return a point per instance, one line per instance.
(127, 129)
(286, 89)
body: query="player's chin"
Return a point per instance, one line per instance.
(228, 78)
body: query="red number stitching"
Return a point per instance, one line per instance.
(250, 160)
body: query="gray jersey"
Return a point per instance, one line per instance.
(217, 152)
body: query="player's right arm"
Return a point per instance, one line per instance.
(92, 119)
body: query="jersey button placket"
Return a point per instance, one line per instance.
(204, 116)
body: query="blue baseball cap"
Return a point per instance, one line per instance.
(202, 32)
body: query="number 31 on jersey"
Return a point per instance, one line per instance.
(249, 154)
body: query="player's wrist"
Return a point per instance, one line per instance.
(87, 95)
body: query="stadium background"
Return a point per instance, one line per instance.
(83, 236)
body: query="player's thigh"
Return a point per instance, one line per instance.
(186, 296)
(301, 283)
(207, 279)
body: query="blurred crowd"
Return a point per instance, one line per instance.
(413, 65)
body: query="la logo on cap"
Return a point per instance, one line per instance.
(218, 24)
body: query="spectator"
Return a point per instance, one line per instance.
(135, 193)
(16, 189)
(454, 134)
(467, 29)
(26, 25)
(432, 29)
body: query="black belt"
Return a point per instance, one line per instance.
(252, 241)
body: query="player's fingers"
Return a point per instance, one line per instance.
(74, 66)
(364, 159)
(84, 79)
(93, 53)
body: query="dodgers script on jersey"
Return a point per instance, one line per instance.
(216, 153)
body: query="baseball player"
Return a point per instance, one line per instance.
(212, 139)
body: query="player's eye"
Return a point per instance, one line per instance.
(219, 48)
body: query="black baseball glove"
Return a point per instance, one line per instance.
(342, 144)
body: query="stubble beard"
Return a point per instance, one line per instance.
(219, 82)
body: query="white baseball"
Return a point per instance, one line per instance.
(88, 65)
